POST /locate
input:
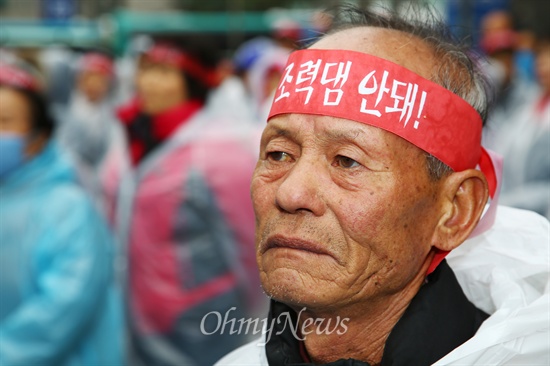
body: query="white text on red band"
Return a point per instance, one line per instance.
(406, 97)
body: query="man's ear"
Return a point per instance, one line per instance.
(464, 195)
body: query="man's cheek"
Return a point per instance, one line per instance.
(263, 194)
(361, 216)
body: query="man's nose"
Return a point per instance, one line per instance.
(301, 190)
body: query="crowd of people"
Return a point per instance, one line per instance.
(125, 208)
(518, 66)
(126, 216)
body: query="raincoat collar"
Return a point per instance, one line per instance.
(439, 319)
(49, 164)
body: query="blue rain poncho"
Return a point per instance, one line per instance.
(58, 304)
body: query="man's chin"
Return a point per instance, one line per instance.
(295, 289)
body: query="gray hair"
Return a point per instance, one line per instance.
(457, 71)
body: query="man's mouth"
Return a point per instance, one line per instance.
(280, 241)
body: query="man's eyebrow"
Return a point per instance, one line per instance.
(346, 135)
(281, 132)
(358, 137)
(273, 131)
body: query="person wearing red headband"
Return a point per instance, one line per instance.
(172, 85)
(59, 303)
(87, 122)
(513, 90)
(525, 145)
(370, 172)
(95, 73)
(184, 212)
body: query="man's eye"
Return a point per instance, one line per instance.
(345, 162)
(278, 156)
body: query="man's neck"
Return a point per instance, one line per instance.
(365, 333)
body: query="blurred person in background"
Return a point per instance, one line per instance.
(184, 211)
(172, 85)
(264, 78)
(59, 305)
(319, 24)
(258, 65)
(499, 41)
(86, 122)
(525, 145)
(287, 33)
(246, 96)
(126, 66)
(233, 99)
(524, 57)
(56, 61)
(266, 72)
(88, 128)
(497, 23)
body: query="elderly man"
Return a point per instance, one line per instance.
(366, 179)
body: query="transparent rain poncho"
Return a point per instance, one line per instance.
(186, 225)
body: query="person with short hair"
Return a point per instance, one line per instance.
(370, 172)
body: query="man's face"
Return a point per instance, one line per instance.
(345, 212)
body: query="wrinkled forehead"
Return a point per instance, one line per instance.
(398, 47)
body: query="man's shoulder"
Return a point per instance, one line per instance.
(252, 354)
(514, 232)
(505, 272)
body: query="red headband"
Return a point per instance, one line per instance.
(166, 54)
(97, 62)
(496, 41)
(17, 78)
(371, 90)
(374, 91)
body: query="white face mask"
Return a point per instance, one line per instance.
(495, 72)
